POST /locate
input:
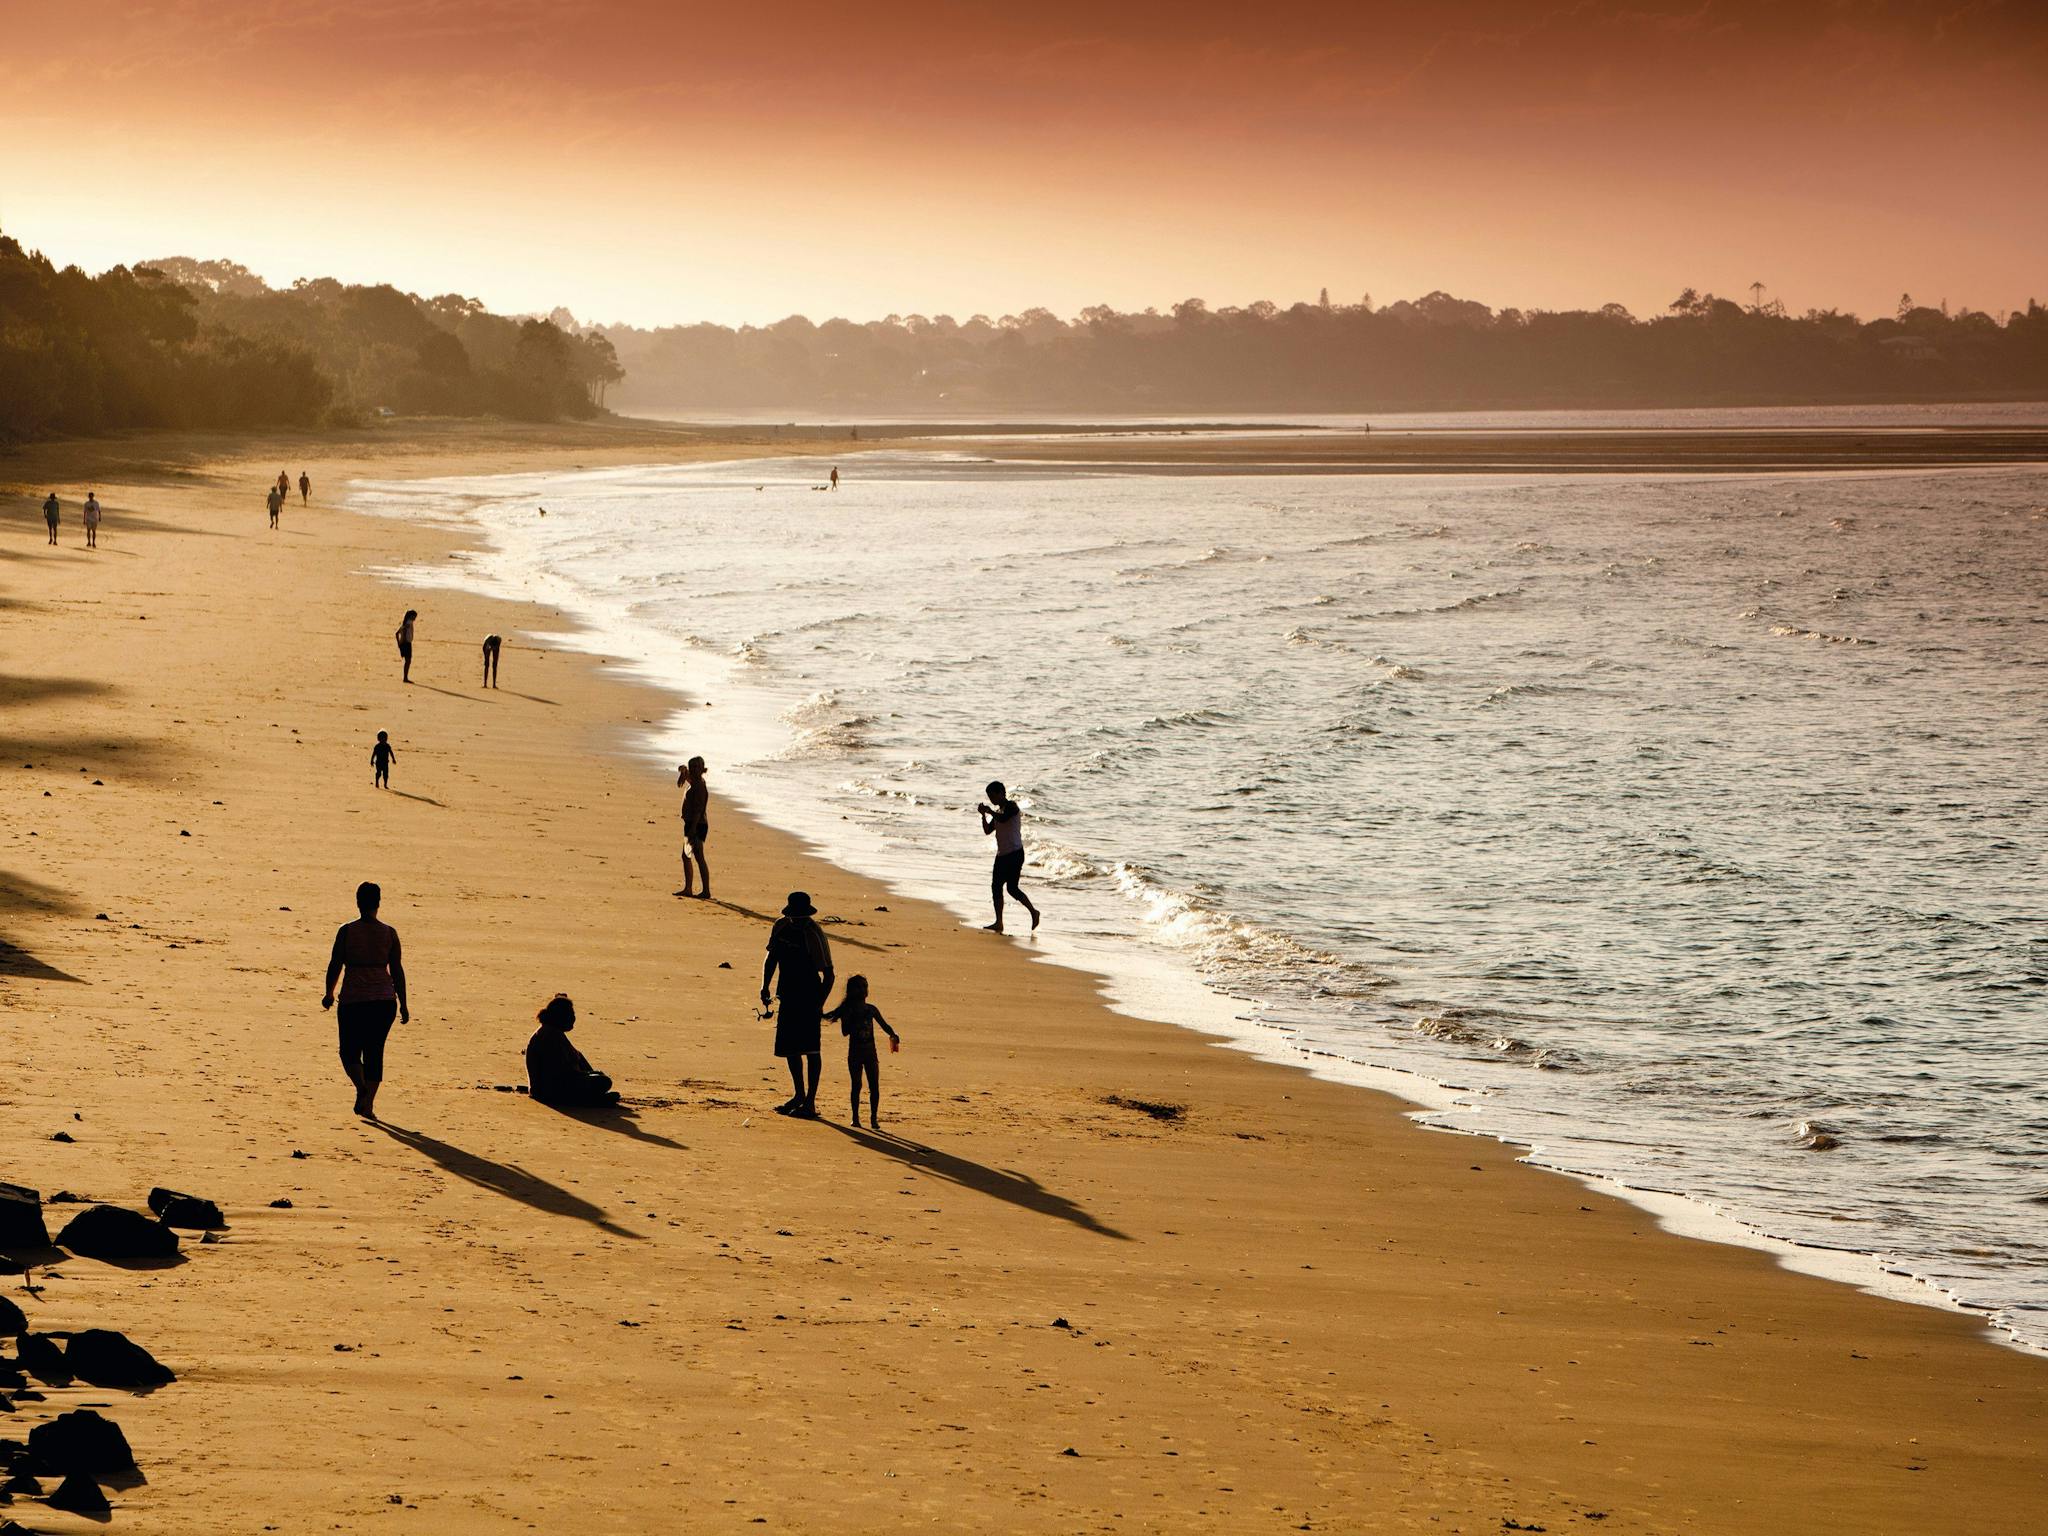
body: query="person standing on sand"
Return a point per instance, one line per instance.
(366, 960)
(305, 488)
(857, 1018)
(493, 644)
(799, 962)
(380, 759)
(50, 515)
(404, 637)
(1006, 822)
(835, 477)
(274, 501)
(92, 520)
(696, 825)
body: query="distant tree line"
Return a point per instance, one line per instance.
(1434, 352)
(184, 343)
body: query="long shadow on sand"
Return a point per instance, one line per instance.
(507, 1179)
(437, 688)
(531, 698)
(831, 927)
(20, 894)
(621, 1121)
(406, 794)
(1003, 1184)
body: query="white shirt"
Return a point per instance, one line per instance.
(1010, 831)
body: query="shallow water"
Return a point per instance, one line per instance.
(1691, 830)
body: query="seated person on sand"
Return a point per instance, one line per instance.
(556, 1072)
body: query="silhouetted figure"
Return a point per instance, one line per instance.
(275, 501)
(799, 962)
(305, 488)
(1006, 822)
(405, 641)
(92, 520)
(493, 644)
(556, 1072)
(857, 1018)
(380, 759)
(366, 959)
(50, 515)
(284, 486)
(835, 477)
(696, 826)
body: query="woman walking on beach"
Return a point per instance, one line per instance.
(799, 962)
(366, 960)
(405, 641)
(696, 825)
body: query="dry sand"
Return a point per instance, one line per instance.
(1288, 1309)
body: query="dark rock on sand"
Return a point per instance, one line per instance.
(43, 1358)
(12, 1319)
(178, 1210)
(110, 1232)
(280, 1205)
(21, 1485)
(64, 1136)
(21, 1218)
(80, 1495)
(109, 1359)
(81, 1441)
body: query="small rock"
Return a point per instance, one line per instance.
(23, 1486)
(175, 1209)
(81, 1441)
(301, 1156)
(110, 1232)
(79, 1495)
(209, 1237)
(13, 1321)
(183, 833)
(280, 1205)
(101, 917)
(1070, 1451)
(64, 1136)
(109, 1359)
(725, 965)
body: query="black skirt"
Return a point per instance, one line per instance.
(797, 1021)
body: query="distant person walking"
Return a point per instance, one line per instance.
(835, 477)
(305, 488)
(696, 826)
(366, 961)
(493, 644)
(557, 1074)
(799, 963)
(274, 501)
(404, 638)
(50, 515)
(284, 486)
(380, 759)
(92, 520)
(857, 1018)
(1005, 821)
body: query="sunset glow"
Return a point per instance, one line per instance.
(655, 163)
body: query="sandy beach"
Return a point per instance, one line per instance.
(1271, 1303)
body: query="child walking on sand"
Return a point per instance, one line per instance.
(857, 1020)
(380, 759)
(92, 520)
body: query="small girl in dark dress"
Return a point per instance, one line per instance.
(857, 1018)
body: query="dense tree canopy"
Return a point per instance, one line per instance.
(1433, 352)
(184, 343)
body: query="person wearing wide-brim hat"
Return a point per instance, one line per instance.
(799, 963)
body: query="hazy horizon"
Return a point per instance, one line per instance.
(651, 165)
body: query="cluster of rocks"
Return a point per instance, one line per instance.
(65, 1460)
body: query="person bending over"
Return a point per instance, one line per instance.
(556, 1073)
(857, 1018)
(493, 644)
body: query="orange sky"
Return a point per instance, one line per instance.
(661, 162)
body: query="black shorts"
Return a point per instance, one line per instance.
(797, 1021)
(405, 650)
(363, 1026)
(1009, 867)
(695, 836)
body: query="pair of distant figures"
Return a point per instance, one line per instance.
(493, 648)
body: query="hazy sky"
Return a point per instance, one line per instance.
(658, 162)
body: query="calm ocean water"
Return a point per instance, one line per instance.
(1690, 831)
